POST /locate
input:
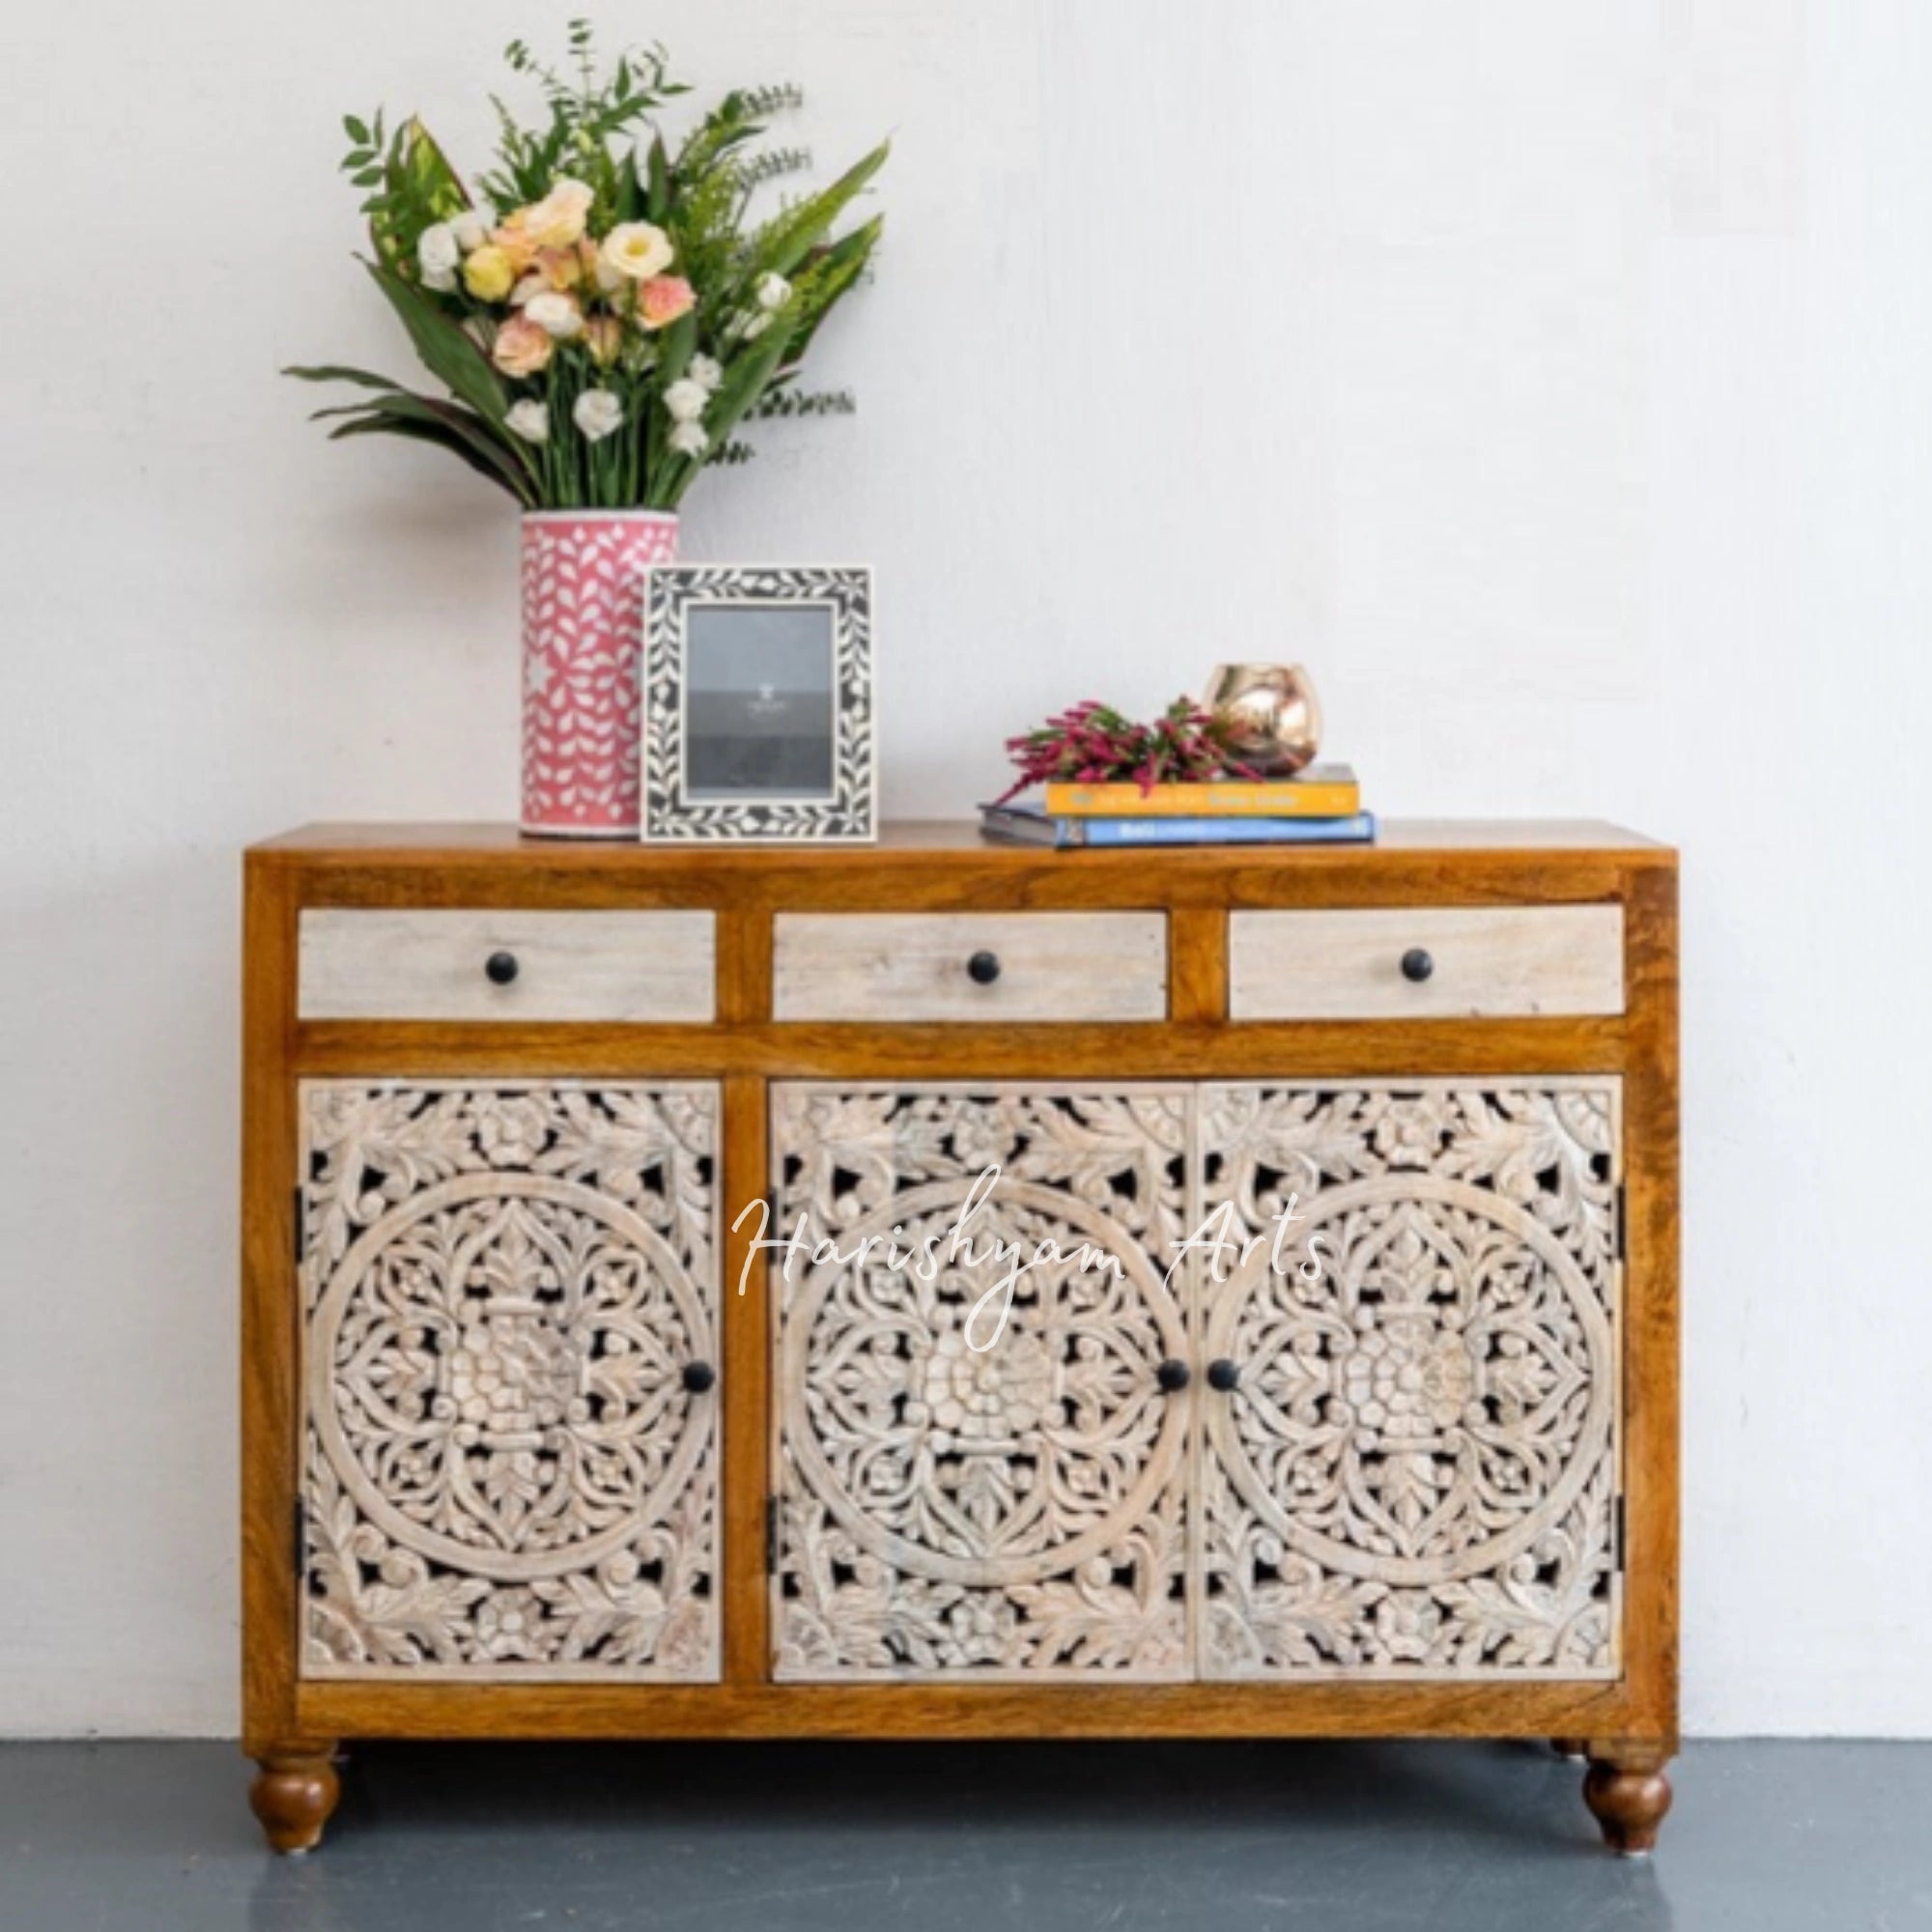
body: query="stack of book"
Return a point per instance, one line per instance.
(1320, 806)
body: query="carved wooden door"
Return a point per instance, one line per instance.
(511, 1303)
(1019, 1510)
(1415, 1472)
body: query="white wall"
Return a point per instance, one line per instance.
(1553, 377)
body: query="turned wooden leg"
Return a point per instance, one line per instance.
(293, 1793)
(1570, 1747)
(1628, 1794)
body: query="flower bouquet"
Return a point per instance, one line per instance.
(602, 314)
(1093, 744)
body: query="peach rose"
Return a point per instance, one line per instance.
(663, 299)
(557, 221)
(517, 245)
(560, 267)
(522, 348)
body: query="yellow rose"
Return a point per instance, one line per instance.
(636, 249)
(489, 273)
(557, 221)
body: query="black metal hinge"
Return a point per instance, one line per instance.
(302, 1536)
(1623, 1221)
(1617, 1537)
(770, 1536)
(295, 1226)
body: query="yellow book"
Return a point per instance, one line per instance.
(1321, 791)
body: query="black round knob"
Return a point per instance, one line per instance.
(500, 968)
(699, 1376)
(983, 968)
(1417, 965)
(1171, 1376)
(1222, 1375)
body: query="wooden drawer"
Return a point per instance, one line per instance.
(921, 966)
(380, 964)
(1486, 962)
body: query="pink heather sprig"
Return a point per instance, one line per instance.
(1093, 744)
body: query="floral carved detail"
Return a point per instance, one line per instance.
(1015, 1509)
(1416, 1473)
(506, 1474)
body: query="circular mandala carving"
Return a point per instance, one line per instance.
(496, 1375)
(1434, 1401)
(991, 1466)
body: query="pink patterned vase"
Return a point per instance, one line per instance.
(584, 604)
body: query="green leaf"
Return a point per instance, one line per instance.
(788, 238)
(493, 450)
(657, 203)
(356, 130)
(335, 372)
(430, 433)
(841, 266)
(676, 344)
(746, 379)
(744, 383)
(448, 353)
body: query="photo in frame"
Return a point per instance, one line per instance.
(758, 703)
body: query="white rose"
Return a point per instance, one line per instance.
(687, 438)
(436, 255)
(705, 371)
(686, 399)
(636, 249)
(597, 412)
(471, 227)
(557, 315)
(529, 420)
(756, 326)
(773, 292)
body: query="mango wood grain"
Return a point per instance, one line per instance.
(1630, 1725)
(268, 1309)
(747, 1356)
(884, 968)
(1481, 962)
(1044, 1051)
(441, 842)
(961, 1711)
(397, 963)
(1651, 1312)
(1197, 992)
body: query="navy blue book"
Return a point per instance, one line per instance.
(1029, 825)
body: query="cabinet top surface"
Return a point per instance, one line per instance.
(943, 839)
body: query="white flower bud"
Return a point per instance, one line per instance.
(529, 420)
(597, 412)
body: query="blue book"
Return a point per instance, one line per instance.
(1029, 825)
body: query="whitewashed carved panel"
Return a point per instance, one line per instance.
(1416, 1472)
(506, 1474)
(1016, 1510)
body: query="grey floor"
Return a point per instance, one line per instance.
(1772, 1837)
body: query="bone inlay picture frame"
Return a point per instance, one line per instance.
(758, 714)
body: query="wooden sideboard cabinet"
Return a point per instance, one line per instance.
(1337, 1395)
